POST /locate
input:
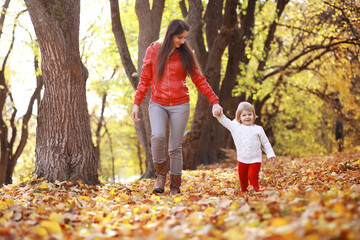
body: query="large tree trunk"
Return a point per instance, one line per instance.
(64, 149)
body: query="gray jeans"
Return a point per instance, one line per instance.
(178, 116)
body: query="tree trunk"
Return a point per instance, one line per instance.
(64, 149)
(202, 115)
(339, 134)
(242, 39)
(210, 139)
(195, 36)
(4, 156)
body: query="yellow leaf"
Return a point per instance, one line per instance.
(2, 221)
(221, 219)
(51, 227)
(26, 179)
(84, 198)
(2, 206)
(39, 230)
(209, 211)
(55, 217)
(8, 215)
(9, 202)
(109, 217)
(123, 198)
(153, 197)
(44, 185)
(195, 207)
(235, 205)
(279, 221)
(112, 192)
(100, 199)
(339, 208)
(177, 199)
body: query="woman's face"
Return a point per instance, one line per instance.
(178, 40)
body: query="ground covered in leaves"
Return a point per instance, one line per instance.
(301, 198)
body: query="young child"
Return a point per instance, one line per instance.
(250, 140)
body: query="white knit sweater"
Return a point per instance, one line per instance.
(249, 140)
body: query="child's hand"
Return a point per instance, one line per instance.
(272, 159)
(217, 110)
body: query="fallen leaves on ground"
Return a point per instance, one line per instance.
(302, 198)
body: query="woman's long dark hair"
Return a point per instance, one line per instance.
(187, 57)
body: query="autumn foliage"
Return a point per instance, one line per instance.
(301, 198)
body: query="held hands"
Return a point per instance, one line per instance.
(217, 110)
(135, 112)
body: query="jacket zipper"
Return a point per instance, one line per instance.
(168, 72)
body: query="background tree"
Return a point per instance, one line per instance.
(10, 148)
(255, 71)
(315, 66)
(149, 28)
(64, 148)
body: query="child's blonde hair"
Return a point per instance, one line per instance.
(244, 106)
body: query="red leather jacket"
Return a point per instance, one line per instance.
(172, 88)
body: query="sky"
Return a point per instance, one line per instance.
(20, 67)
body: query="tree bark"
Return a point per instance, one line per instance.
(203, 109)
(149, 29)
(64, 149)
(195, 36)
(239, 40)
(210, 138)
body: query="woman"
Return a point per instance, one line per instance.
(166, 64)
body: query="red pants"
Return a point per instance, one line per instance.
(249, 172)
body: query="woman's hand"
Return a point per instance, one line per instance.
(135, 112)
(217, 110)
(272, 159)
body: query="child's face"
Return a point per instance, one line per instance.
(247, 117)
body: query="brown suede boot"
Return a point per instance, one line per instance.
(175, 183)
(161, 172)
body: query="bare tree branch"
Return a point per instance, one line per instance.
(306, 51)
(183, 8)
(2, 14)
